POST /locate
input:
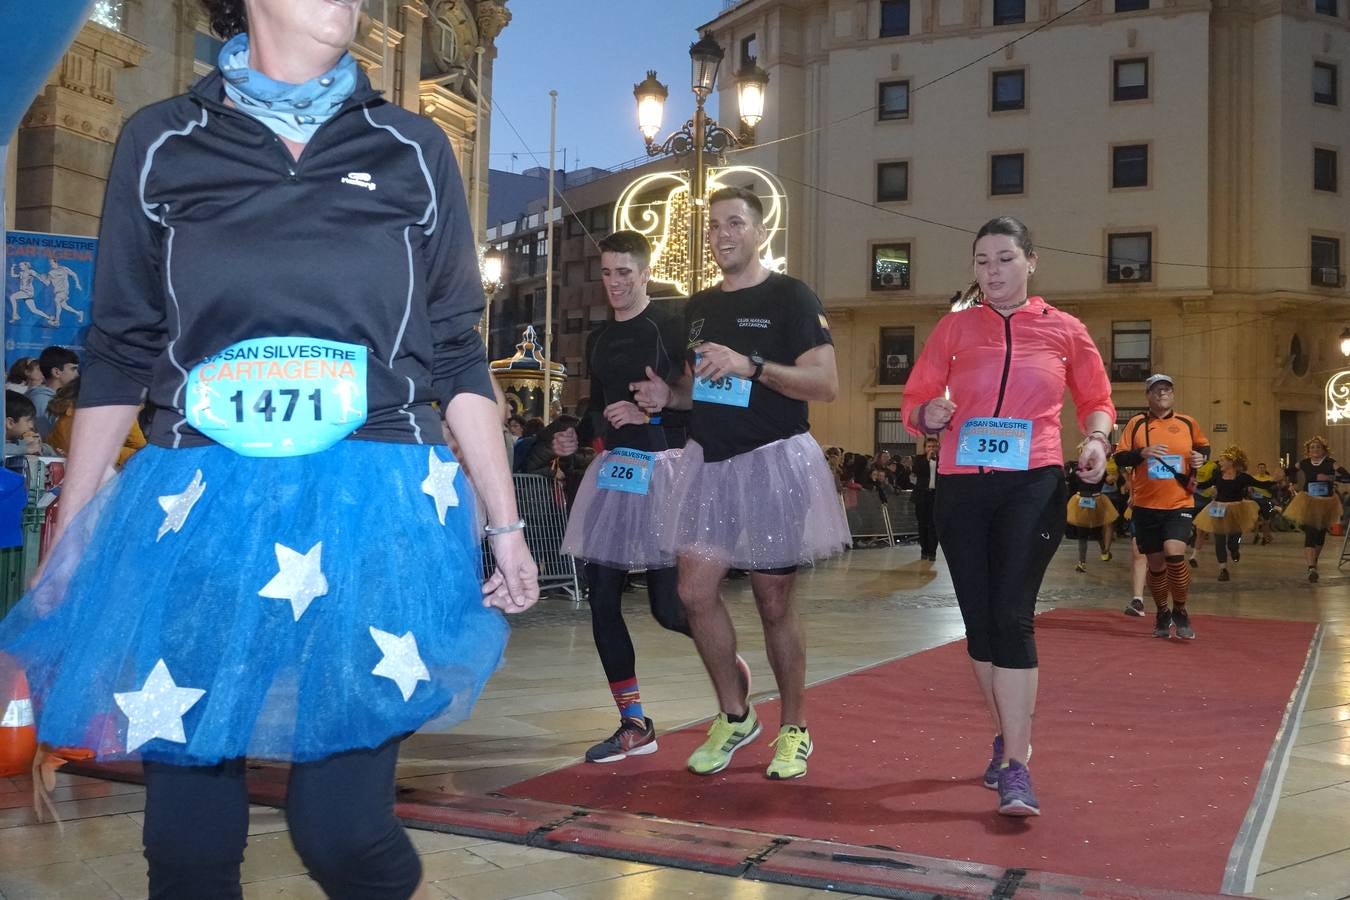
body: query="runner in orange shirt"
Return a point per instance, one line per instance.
(1168, 448)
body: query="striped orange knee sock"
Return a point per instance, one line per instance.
(1158, 587)
(1179, 580)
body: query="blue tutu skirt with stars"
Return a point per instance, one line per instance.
(207, 606)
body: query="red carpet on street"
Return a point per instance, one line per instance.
(1147, 755)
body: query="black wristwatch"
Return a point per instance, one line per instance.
(758, 362)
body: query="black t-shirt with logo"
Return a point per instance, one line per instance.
(779, 319)
(618, 354)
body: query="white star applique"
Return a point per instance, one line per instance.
(299, 578)
(440, 483)
(402, 664)
(177, 506)
(156, 710)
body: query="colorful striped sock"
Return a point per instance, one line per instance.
(1157, 586)
(1179, 580)
(628, 698)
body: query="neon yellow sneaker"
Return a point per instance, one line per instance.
(725, 737)
(792, 747)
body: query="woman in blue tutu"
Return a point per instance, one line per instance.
(290, 571)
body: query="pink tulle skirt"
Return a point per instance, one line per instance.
(773, 507)
(624, 530)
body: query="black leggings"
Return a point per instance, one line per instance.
(999, 532)
(1314, 537)
(341, 816)
(611, 632)
(1226, 545)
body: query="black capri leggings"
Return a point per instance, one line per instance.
(1314, 537)
(998, 532)
(612, 639)
(341, 816)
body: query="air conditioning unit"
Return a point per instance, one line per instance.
(896, 361)
(890, 279)
(1130, 273)
(1128, 372)
(1328, 276)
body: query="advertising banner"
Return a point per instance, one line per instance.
(48, 283)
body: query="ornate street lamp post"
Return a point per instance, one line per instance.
(701, 134)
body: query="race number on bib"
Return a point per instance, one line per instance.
(1319, 489)
(1218, 511)
(729, 390)
(281, 396)
(626, 470)
(1087, 502)
(995, 443)
(1156, 469)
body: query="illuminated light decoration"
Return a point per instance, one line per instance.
(659, 207)
(1338, 398)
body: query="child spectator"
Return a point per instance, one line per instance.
(59, 367)
(23, 375)
(21, 437)
(62, 409)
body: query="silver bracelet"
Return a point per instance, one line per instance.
(504, 529)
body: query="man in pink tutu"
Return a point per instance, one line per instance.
(757, 493)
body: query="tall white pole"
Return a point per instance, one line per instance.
(480, 152)
(548, 272)
(385, 64)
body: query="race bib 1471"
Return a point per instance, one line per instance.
(279, 396)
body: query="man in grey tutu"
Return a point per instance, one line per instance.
(757, 493)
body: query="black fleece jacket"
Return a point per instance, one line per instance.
(212, 234)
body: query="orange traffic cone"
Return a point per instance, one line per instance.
(18, 736)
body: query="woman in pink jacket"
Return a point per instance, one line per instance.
(992, 377)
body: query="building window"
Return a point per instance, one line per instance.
(894, 18)
(574, 227)
(1129, 257)
(1131, 80)
(1129, 166)
(593, 269)
(890, 433)
(1130, 5)
(1326, 262)
(897, 355)
(1007, 173)
(1131, 350)
(749, 50)
(893, 100)
(1010, 12)
(600, 219)
(1325, 83)
(1010, 90)
(892, 182)
(890, 267)
(1324, 169)
(1326, 8)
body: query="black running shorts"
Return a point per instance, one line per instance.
(1154, 526)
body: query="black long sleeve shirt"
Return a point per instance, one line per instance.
(212, 234)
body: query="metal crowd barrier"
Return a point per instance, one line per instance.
(17, 564)
(544, 510)
(876, 522)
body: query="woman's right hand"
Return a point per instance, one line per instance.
(937, 413)
(514, 586)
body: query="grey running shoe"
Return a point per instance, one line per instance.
(1136, 608)
(1182, 620)
(1015, 796)
(1162, 626)
(632, 739)
(1312, 574)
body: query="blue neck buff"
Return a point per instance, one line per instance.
(292, 111)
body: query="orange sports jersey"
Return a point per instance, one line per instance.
(1181, 436)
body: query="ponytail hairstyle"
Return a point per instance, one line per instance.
(971, 296)
(1005, 225)
(228, 17)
